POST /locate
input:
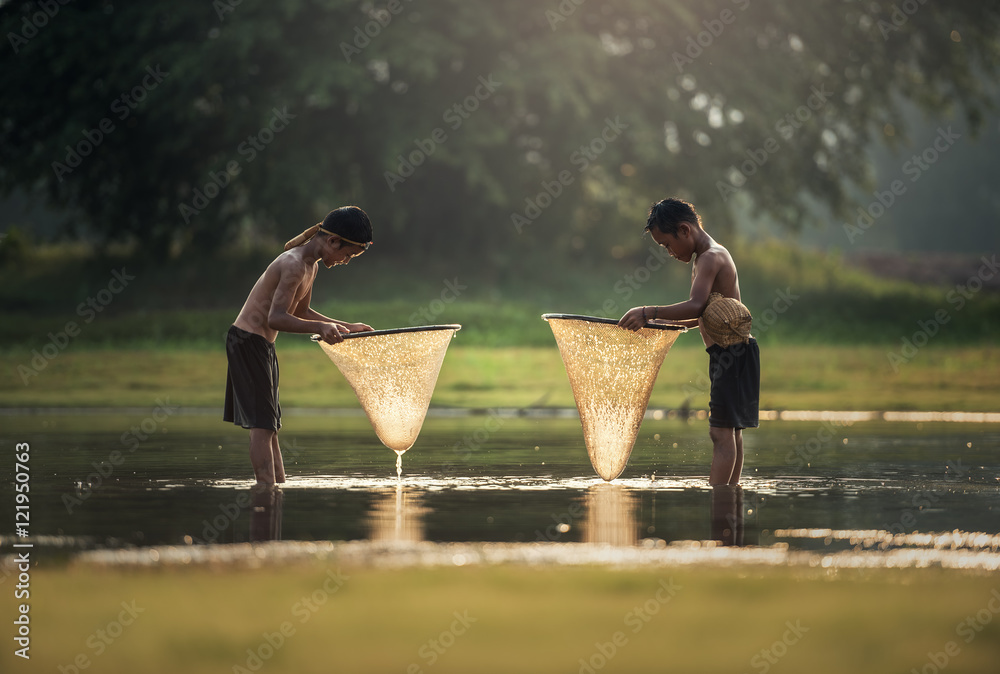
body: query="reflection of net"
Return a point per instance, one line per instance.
(397, 516)
(612, 371)
(393, 376)
(610, 516)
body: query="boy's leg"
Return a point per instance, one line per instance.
(723, 455)
(279, 465)
(261, 455)
(734, 479)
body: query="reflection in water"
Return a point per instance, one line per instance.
(397, 515)
(727, 514)
(265, 515)
(610, 515)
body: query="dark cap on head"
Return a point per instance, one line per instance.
(350, 223)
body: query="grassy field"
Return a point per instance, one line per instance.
(793, 377)
(71, 337)
(507, 619)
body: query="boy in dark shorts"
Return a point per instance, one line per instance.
(279, 302)
(734, 359)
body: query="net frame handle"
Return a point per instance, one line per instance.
(394, 331)
(611, 321)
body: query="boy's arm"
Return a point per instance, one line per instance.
(686, 313)
(282, 318)
(687, 322)
(306, 312)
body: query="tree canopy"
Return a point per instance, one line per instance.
(467, 125)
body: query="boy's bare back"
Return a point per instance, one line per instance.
(284, 285)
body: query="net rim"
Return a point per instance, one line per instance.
(611, 321)
(394, 331)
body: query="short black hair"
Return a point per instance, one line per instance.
(349, 222)
(667, 215)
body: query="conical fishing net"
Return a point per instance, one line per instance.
(612, 371)
(393, 373)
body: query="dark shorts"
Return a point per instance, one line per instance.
(252, 381)
(735, 374)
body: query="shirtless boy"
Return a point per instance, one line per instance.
(734, 370)
(279, 302)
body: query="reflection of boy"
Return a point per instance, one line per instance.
(279, 302)
(734, 368)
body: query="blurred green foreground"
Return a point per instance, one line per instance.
(314, 618)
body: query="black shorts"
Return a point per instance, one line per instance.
(252, 381)
(735, 375)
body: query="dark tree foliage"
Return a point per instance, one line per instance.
(470, 127)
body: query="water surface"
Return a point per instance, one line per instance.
(129, 480)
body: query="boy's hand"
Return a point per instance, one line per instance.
(358, 327)
(633, 319)
(332, 333)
